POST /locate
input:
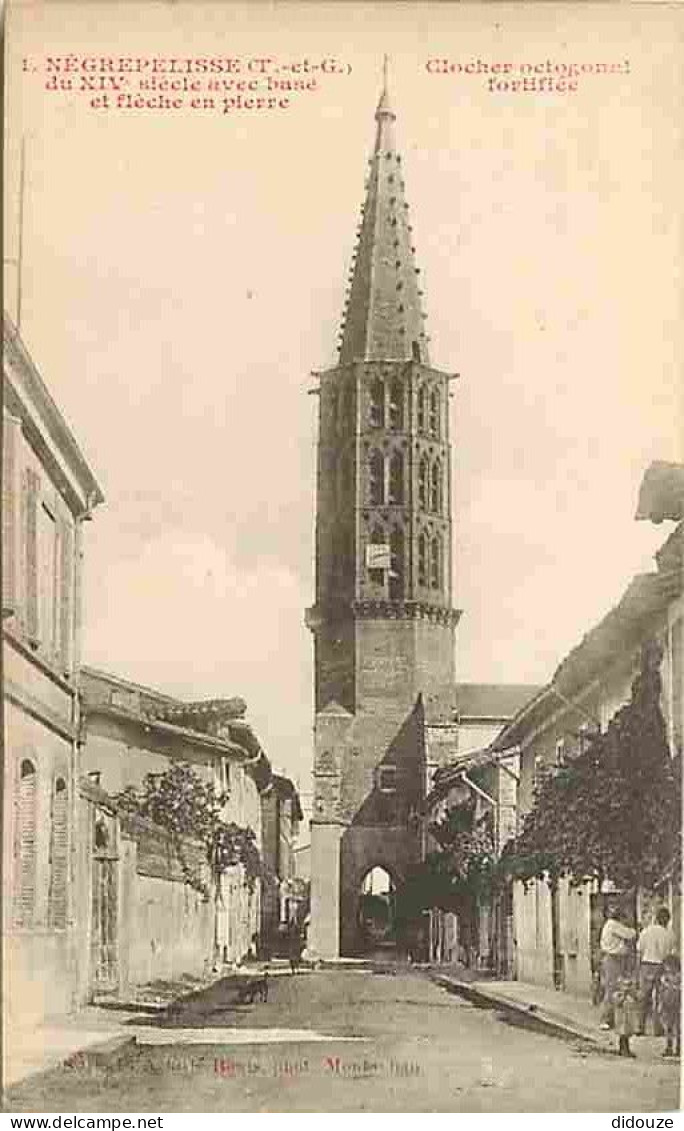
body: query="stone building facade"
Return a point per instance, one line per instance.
(49, 491)
(281, 815)
(556, 932)
(144, 920)
(461, 770)
(383, 621)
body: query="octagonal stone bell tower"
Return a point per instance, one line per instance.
(383, 621)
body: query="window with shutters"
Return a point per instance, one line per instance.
(47, 579)
(31, 488)
(24, 895)
(65, 581)
(11, 433)
(59, 855)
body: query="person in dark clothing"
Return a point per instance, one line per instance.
(295, 945)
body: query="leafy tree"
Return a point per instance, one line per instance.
(459, 873)
(614, 811)
(189, 808)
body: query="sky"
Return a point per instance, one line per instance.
(184, 273)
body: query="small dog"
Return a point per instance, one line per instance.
(256, 987)
(669, 1004)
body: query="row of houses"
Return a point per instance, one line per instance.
(536, 931)
(99, 899)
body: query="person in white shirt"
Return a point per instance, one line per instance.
(615, 941)
(655, 943)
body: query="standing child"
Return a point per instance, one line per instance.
(626, 1011)
(670, 1004)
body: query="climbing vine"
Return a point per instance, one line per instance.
(189, 809)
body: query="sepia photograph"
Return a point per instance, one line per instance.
(342, 557)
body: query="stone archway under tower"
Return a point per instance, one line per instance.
(364, 851)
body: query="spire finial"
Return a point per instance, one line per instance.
(384, 104)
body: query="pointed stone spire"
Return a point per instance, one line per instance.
(384, 319)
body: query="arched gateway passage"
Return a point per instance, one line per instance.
(377, 911)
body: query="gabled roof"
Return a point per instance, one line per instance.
(216, 726)
(495, 701)
(384, 316)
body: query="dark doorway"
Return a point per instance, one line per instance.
(377, 911)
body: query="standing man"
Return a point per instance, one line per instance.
(615, 952)
(655, 943)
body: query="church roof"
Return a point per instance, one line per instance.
(384, 320)
(493, 700)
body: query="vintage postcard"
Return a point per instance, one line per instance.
(343, 558)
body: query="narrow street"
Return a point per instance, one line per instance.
(347, 1041)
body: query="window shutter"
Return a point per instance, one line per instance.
(9, 508)
(65, 605)
(59, 856)
(31, 489)
(25, 846)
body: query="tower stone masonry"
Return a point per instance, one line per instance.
(383, 621)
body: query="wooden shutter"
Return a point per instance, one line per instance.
(31, 490)
(59, 855)
(9, 509)
(25, 845)
(64, 595)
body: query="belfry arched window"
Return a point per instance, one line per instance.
(396, 406)
(436, 562)
(436, 487)
(396, 479)
(422, 560)
(376, 470)
(422, 398)
(423, 482)
(59, 855)
(396, 572)
(25, 834)
(377, 556)
(377, 403)
(434, 412)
